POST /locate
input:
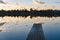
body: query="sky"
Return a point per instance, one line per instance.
(27, 4)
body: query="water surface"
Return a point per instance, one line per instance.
(18, 28)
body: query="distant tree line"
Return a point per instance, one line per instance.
(31, 13)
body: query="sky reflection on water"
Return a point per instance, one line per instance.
(19, 28)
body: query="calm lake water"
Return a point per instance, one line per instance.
(18, 28)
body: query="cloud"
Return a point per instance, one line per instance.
(38, 2)
(57, 2)
(1, 1)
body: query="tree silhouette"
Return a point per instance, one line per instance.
(31, 13)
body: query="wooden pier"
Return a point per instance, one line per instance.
(36, 33)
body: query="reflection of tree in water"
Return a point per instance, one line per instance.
(36, 33)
